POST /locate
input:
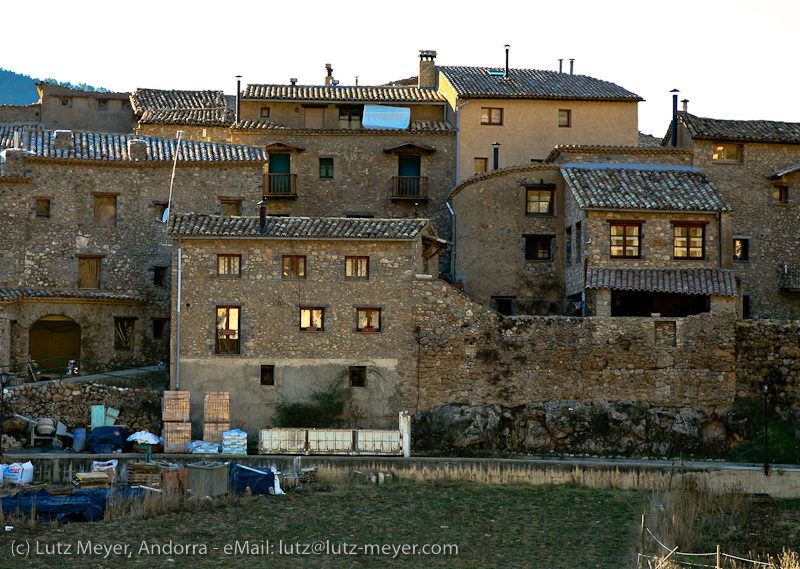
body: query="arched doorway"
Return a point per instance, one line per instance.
(54, 336)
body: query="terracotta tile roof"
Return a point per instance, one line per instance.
(415, 126)
(196, 225)
(711, 281)
(331, 93)
(149, 99)
(7, 133)
(741, 131)
(201, 117)
(476, 82)
(114, 148)
(641, 187)
(9, 295)
(784, 171)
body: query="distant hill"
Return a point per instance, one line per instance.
(18, 89)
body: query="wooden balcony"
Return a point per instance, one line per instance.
(280, 186)
(410, 188)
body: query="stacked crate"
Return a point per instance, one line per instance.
(216, 416)
(175, 415)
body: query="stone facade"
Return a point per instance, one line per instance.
(21, 114)
(74, 109)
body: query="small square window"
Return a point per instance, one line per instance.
(326, 168)
(504, 304)
(160, 329)
(780, 194)
(727, 153)
(356, 268)
(264, 112)
(741, 249)
(539, 201)
(492, 116)
(358, 376)
(565, 118)
(625, 240)
(268, 375)
(689, 242)
(159, 208)
(160, 276)
(65, 102)
(43, 208)
(538, 247)
(229, 266)
(368, 319)
(123, 333)
(89, 272)
(230, 207)
(293, 267)
(102, 104)
(312, 319)
(105, 211)
(480, 165)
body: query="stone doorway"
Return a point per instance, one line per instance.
(54, 338)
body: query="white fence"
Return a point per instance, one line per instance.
(339, 441)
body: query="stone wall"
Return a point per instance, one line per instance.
(20, 114)
(769, 350)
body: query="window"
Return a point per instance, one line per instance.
(314, 117)
(356, 267)
(105, 210)
(159, 208)
(160, 276)
(727, 153)
(43, 208)
(747, 305)
(65, 102)
(268, 375)
(688, 241)
(741, 249)
(229, 266)
(564, 118)
(504, 304)
(780, 193)
(227, 330)
(89, 272)
(538, 247)
(491, 116)
(625, 240)
(160, 328)
(312, 319)
(358, 376)
(480, 165)
(230, 206)
(578, 241)
(539, 201)
(102, 104)
(123, 333)
(264, 112)
(293, 267)
(326, 168)
(368, 319)
(568, 245)
(350, 118)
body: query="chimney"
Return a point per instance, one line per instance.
(137, 149)
(293, 80)
(505, 75)
(329, 78)
(238, 94)
(63, 139)
(673, 140)
(571, 65)
(427, 69)
(561, 66)
(13, 160)
(262, 216)
(685, 105)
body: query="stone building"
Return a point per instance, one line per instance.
(595, 231)
(84, 260)
(201, 115)
(755, 165)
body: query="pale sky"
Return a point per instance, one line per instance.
(733, 59)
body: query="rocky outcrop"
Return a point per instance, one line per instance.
(580, 427)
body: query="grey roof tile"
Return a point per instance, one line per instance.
(710, 281)
(150, 99)
(642, 187)
(196, 225)
(342, 93)
(740, 131)
(13, 294)
(477, 82)
(200, 117)
(791, 168)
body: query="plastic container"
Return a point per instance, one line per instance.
(79, 440)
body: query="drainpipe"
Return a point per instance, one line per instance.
(719, 239)
(178, 325)
(453, 247)
(458, 142)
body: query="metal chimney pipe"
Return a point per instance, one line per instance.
(673, 140)
(238, 94)
(505, 76)
(685, 105)
(571, 65)
(561, 66)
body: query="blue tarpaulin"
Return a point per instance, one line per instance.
(259, 480)
(79, 506)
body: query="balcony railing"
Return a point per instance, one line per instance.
(789, 277)
(410, 188)
(280, 185)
